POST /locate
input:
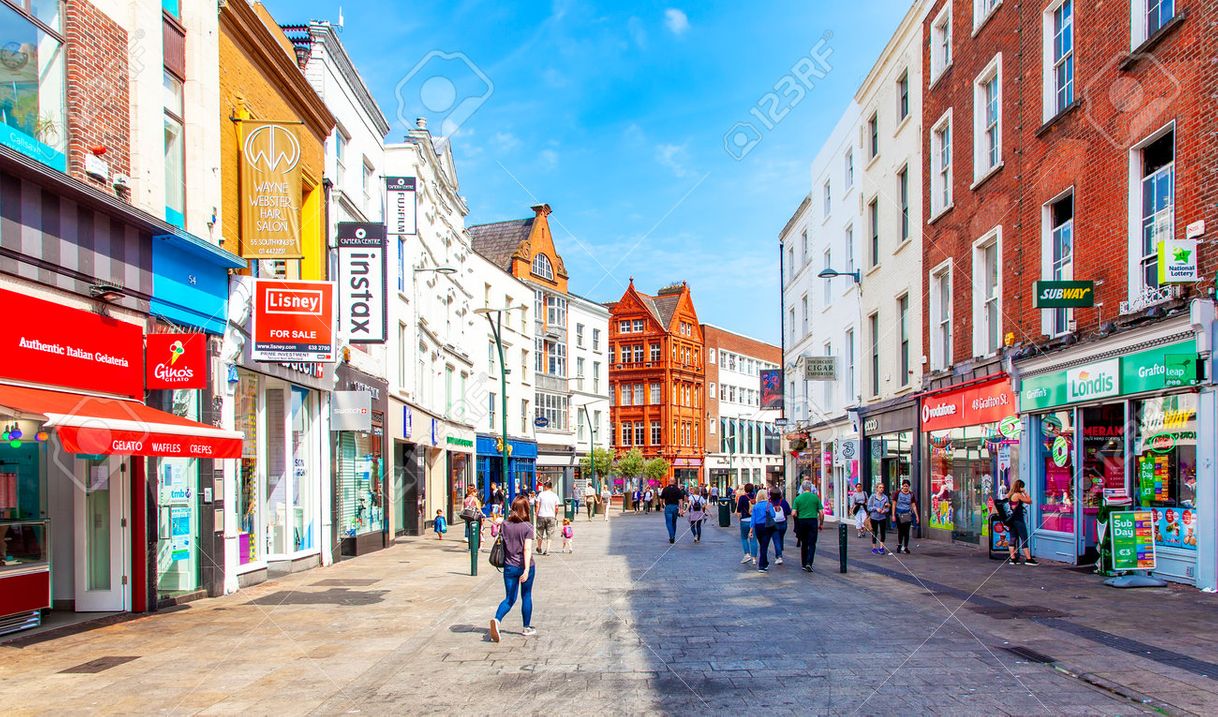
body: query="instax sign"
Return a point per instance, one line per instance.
(361, 282)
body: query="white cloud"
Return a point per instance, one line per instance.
(676, 21)
(549, 158)
(674, 157)
(505, 141)
(638, 33)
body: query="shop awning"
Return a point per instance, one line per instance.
(100, 426)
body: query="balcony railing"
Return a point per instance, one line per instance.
(546, 382)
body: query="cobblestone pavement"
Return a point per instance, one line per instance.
(629, 624)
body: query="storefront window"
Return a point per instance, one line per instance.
(942, 483)
(32, 115)
(458, 481)
(1166, 467)
(1056, 455)
(359, 484)
(1103, 460)
(303, 499)
(969, 468)
(248, 514)
(177, 556)
(23, 526)
(276, 513)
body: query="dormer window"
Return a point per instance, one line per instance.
(542, 267)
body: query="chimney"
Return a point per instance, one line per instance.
(541, 210)
(420, 122)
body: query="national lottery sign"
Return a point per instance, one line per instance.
(293, 321)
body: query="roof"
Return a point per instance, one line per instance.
(498, 241)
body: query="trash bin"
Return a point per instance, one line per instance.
(570, 510)
(725, 513)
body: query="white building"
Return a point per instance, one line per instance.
(742, 442)
(589, 383)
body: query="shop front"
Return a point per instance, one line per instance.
(522, 465)
(687, 472)
(1124, 422)
(408, 494)
(970, 447)
(555, 464)
(459, 445)
(357, 428)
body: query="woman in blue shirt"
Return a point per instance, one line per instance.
(782, 510)
(763, 528)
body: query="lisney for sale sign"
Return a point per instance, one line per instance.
(293, 321)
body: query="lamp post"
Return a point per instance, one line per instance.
(497, 331)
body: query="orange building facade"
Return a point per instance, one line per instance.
(657, 379)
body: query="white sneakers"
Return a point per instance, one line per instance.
(746, 559)
(778, 560)
(530, 631)
(494, 630)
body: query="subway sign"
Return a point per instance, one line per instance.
(1063, 294)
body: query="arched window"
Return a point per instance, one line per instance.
(542, 267)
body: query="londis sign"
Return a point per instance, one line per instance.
(1063, 294)
(174, 361)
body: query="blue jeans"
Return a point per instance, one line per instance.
(764, 535)
(512, 584)
(747, 545)
(670, 520)
(780, 533)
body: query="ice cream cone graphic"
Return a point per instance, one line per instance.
(175, 350)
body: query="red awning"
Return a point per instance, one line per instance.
(98, 426)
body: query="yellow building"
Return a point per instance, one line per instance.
(261, 82)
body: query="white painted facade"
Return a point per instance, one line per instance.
(741, 427)
(484, 393)
(587, 343)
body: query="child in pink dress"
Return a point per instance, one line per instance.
(568, 535)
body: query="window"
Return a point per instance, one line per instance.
(827, 395)
(941, 43)
(803, 241)
(524, 416)
(401, 265)
(903, 192)
(596, 339)
(596, 423)
(175, 153)
(638, 394)
(903, 320)
(987, 118)
(579, 368)
(941, 165)
(490, 358)
(655, 393)
(873, 326)
(626, 434)
(849, 170)
(623, 327)
(368, 181)
(1156, 202)
(579, 335)
(655, 433)
(492, 402)
(555, 408)
(850, 248)
(341, 138)
(1059, 257)
(32, 113)
(1058, 57)
(403, 356)
(1149, 16)
(987, 287)
(941, 316)
(556, 358)
(638, 433)
(636, 326)
(790, 263)
(654, 352)
(873, 228)
(791, 323)
(982, 9)
(903, 96)
(828, 283)
(828, 198)
(524, 365)
(804, 314)
(579, 425)
(596, 377)
(638, 353)
(848, 384)
(710, 353)
(542, 267)
(873, 135)
(556, 310)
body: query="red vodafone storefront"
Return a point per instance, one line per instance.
(73, 510)
(969, 440)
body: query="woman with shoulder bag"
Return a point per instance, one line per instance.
(471, 511)
(905, 515)
(858, 508)
(878, 508)
(696, 514)
(1018, 526)
(518, 537)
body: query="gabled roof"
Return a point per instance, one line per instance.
(498, 241)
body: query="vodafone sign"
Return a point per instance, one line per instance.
(987, 403)
(293, 321)
(174, 361)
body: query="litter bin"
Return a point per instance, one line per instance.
(570, 510)
(725, 513)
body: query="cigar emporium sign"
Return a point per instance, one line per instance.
(270, 191)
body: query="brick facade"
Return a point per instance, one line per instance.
(1120, 99)
(98, 91)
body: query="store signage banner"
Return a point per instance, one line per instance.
(351, 411)
(362, 296)
(1178, 261)
(820, 368)
(401, 213)
(1096, 380)
(270, 191)
(42, 342)
(1133, 545)
(845, 450)
(1063, 294)
(990, 403)
(293, 321)
(771, 388)
(174, 361)
(1151, 370)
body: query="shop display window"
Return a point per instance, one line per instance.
(177, 556)
(458, 480)
(23, 525)
(970, 467)
(359, 484)
(940, 458)
(1165, 457)
(303, 498)
(1103, 460)
(1056, 456)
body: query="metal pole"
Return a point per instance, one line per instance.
(497, 327)
(841, 546)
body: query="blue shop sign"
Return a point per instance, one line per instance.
(190, 281)
(489, 446)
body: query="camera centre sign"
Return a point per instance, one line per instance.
(362, 300)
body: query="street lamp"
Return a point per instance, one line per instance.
(828, 273)
(496, 330)
(445, 269)
(592, 451)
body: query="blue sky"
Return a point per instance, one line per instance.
(617, 115)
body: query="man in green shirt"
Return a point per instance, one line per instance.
(809, 514)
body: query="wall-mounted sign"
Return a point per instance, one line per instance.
(819, 368)
(407, 422)
(972, 406)
(871, 425)
(541, 422)
(1095, 380)
(845, 450)
(48, 343)
(771, 388)
(362, 298)
(351, 411)
(175, 361)
(400, 211)
(270, 191)
(1149, 370)
(1178, 261)
(1063, 294)
(461, 442)
(293, 321)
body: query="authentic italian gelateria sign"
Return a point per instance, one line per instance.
(270, 191)
(1063, 294)
(1133, 543)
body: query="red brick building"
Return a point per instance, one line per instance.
(657, 378)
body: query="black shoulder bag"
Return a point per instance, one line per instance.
(498, 557)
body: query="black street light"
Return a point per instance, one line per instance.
(828, 273)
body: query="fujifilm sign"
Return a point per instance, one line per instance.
(1097, 380)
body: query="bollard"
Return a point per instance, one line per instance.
(841, 546)
(473, 529)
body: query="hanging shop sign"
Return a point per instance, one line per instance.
(845, 450)
(820, 368)
(1178, 261)
(270, 191)
(972, 406)
(362, 299)
(771, 388)
(351, 411)
(1063, 294)
(293, 321)
(1133, 545)
(401, 212)
(1155, 369)
(175, 361)
(42, 342)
